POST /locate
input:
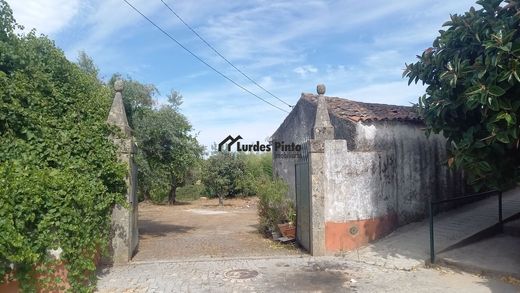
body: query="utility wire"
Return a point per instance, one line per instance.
(201, 60)
(221, 56)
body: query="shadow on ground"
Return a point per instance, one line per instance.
(151, 228)
(177, 203)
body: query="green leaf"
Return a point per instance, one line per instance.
(496, 91)
(515, 74)
(503, 137)
(476, 89)
(505, 116)
(506, 47)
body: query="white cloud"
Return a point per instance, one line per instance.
(277, 33)
(109, 21)
(304, 70)
(357, 48)
(48, 17)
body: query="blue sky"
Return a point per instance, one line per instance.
(356, 48)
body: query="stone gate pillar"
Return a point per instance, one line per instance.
(124, 233)
(322, 131)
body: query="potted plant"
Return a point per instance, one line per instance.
(288, 227)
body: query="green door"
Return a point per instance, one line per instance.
(303, 205)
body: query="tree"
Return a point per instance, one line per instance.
(222, 173)
(175, 100)
(472, 73)
(86, 63)
(137, 96)
(258, 169)
(167, 146)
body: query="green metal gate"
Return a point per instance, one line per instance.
(303, 205)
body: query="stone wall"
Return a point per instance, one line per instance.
(386, 182)
(296, 128)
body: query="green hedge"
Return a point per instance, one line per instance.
(59, 174)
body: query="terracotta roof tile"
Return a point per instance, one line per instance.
(359, 111)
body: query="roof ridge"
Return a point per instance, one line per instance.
(363, 111)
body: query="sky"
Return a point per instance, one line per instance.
(358, 49)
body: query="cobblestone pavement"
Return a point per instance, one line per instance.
(287, 274)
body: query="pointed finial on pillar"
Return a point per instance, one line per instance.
(118, 85)
(322, 127)
(320, 88)
(117, 114)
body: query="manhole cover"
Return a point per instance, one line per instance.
(241, 274)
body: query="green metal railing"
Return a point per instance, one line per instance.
(432, 204)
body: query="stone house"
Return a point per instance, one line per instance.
(364, 170)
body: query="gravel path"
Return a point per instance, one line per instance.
(203, 229)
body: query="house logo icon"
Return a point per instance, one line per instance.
(230, 141)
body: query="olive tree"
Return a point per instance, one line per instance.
(472, 73)
(222, 174)
(166, 145)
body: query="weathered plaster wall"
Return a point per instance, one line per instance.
(413, 164)
(296, 128)
(394, 168)
(383, 183)
(357, 187)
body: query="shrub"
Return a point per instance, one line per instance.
(258, 168)
(274, 208)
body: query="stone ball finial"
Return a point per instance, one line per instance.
(320, 89)
(118, 85)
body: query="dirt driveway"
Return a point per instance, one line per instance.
(203, 229)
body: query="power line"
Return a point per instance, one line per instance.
(221, 56)
(200, 59)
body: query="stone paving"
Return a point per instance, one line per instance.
(408, 246)
(497, 255)
(393, 264)
(287, 274)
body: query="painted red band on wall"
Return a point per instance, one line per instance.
(353, 234)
